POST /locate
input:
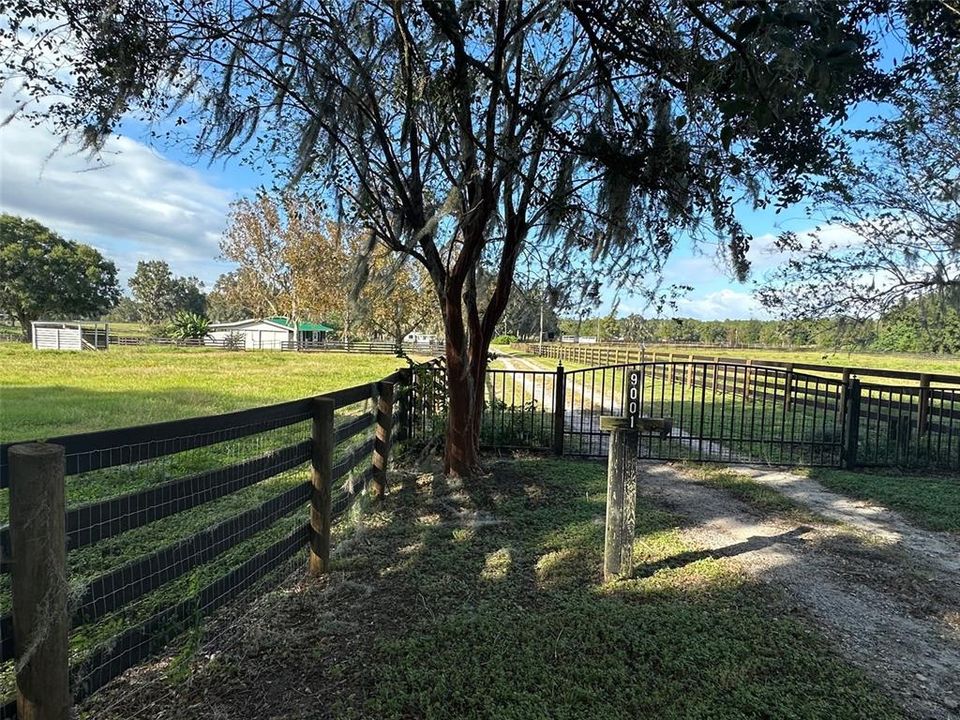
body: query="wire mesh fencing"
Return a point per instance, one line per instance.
(167, 522)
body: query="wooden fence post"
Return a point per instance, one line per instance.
(621, 500)
(39, 581)
(559, 408)
(403, 404)
(381, 443)
(321, 477)
(747, 377)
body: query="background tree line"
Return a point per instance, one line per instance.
(926, 325)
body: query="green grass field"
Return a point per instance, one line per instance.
(46, 394)
(508, 617)
(941, 364)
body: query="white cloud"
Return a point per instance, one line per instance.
(765, 255)
(131, 202)
(722, 304)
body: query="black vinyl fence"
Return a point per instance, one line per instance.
(721, 412)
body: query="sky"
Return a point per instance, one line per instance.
(142, 202)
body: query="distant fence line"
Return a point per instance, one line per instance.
(612, 355)
(692, 344)
(369, 347)
(345, 454)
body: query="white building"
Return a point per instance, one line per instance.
(68, 336)
(418, 338)
(268, 333)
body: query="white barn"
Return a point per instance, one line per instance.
(268, 333)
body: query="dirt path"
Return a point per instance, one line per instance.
(586, 417)
(886, 593)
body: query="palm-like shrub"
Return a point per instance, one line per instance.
(185, 325)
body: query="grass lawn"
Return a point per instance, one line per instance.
(930, 501)
(45, 394)
(490, 604)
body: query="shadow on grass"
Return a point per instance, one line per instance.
(488, 603)
(757, 542)
(932, 500)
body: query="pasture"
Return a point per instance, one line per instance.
(46, 394)
(478, 600)
(946, 364)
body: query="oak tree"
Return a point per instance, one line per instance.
(42, 274)
(457, 133)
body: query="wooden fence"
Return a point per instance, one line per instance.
(371, 347)
(615, 355)
(345, 436)
(366, 347)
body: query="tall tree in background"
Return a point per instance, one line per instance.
(900, 213)
(393, 298)
(43, 274)
(291, 258)
(225, 302)
(457, 132)
(159, 294)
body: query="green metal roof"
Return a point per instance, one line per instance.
(302, 326)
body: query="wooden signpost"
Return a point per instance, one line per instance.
(622, 478)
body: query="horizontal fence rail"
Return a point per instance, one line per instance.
(208, 508)
(627, 354)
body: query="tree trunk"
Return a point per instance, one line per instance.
(26, 327)
(462, 444)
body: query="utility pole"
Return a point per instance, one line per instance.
(540, 351)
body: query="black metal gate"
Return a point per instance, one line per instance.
(721, 412)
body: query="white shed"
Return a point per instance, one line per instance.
(49, 335)
(267, 333)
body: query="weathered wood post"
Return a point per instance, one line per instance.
(402, 399)
(622, 472)
(788, 388)
(621, 499)
(381, 442)
(39, 581)
(623, 451)
(321, 477)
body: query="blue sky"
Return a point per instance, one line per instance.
(138, 202)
